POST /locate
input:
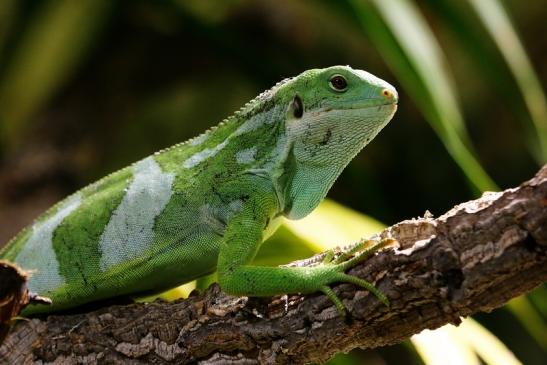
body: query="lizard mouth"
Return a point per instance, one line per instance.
(360, 106)
(384, 111)
(371, 103)
(387, 100)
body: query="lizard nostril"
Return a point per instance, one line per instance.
(389, 95)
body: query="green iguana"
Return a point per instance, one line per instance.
(210, 202)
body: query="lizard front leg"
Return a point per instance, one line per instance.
(242, 239)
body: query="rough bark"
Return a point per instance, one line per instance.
(14, 295)
(474, 258)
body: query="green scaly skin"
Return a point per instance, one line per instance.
(207, 203)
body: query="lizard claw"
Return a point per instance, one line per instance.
(342, 264)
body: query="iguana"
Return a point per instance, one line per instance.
(210, 202)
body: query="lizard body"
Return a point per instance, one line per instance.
(207, 204)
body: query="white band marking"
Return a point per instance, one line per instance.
(38, 253)
(130, 229)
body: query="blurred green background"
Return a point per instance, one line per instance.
(89, 86)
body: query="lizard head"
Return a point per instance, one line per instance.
(331, 115)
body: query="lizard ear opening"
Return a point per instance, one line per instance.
(296, 107)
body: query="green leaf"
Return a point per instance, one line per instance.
(444, 346)
(46, 56)
(462, 345)
(409, 47)
(497, 23)
(530, 319)
(332, 224)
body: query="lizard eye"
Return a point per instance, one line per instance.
(338, 83)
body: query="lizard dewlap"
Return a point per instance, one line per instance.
(206, 204)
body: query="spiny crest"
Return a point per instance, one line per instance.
(263, 98)
(44, 216)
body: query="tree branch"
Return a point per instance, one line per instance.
(474, 258)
